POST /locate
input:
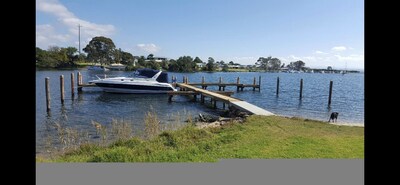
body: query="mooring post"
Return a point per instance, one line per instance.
(47, 88)
(203, 80)
(62, 88)
(259, 83)
(72, 85)
(301, 88)
(277, 86)
(237, 84)
(202, 98)
(79, 81)
(254, 84)
(215, 103)
(223, 105)
(330, 93)
(187, 80)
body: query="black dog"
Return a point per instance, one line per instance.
(333, 117)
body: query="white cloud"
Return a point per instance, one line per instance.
(320, 52)
(350, 58)
(150, 48)
(69, 20)
(46, 36)
(339, 48)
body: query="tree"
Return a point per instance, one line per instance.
(263, 62)
(100, 50)
(142, 61)
(274, 64)
(211, 64)
(173, 65)
(269, 63)
(231, 63)
(150, 56)
(126, 58)
(225, 68)
(197, 60)
(186, 64)
(298, 65)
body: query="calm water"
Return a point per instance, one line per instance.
(93, 104)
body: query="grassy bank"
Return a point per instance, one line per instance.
(258, 138)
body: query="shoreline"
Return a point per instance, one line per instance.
(341, 123)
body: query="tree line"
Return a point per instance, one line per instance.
(103, 50)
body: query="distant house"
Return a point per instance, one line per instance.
(201, 65)
(234, 66)
(158, 59)
(284, 69)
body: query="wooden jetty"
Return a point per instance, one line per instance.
(189, 89)
(238, 103)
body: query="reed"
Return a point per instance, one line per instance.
(152, 124)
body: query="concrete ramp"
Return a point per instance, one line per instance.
(251, 108)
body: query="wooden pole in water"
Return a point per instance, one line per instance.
(62, 88)
(47, 87)
(301, 88)
(277, 86)
(72, 85)
(237, 84)
(79, 81)
(330, 93)
(259, 83)
(78, 78)
(203, 80)
(254, 84)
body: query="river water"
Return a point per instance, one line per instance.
(94, 104)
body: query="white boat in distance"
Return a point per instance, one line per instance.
(97, 68)
(140, 84)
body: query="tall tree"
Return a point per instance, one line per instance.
(150, 56)
(126, 58)
(100, 50)
(263, 62)
(186, 64)
(274, 64)
(298, 65)
(211, 64)
(197, 60)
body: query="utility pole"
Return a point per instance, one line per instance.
(79, 35)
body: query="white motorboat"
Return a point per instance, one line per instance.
(141, 83)
(97, 68)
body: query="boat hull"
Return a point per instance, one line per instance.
(135, 89)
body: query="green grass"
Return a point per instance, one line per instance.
(259, 137)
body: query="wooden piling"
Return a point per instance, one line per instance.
(301, 88)
(79, 81)
(259, 83)
(202, 98)
(330, 93)
(277, 86)
(237, 82)
(254, 84)
(62, 88)
(220, 80)
(47, 88)
(72, 85)
(215, 103)
(203, 80)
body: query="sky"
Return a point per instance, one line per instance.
(321, 33)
